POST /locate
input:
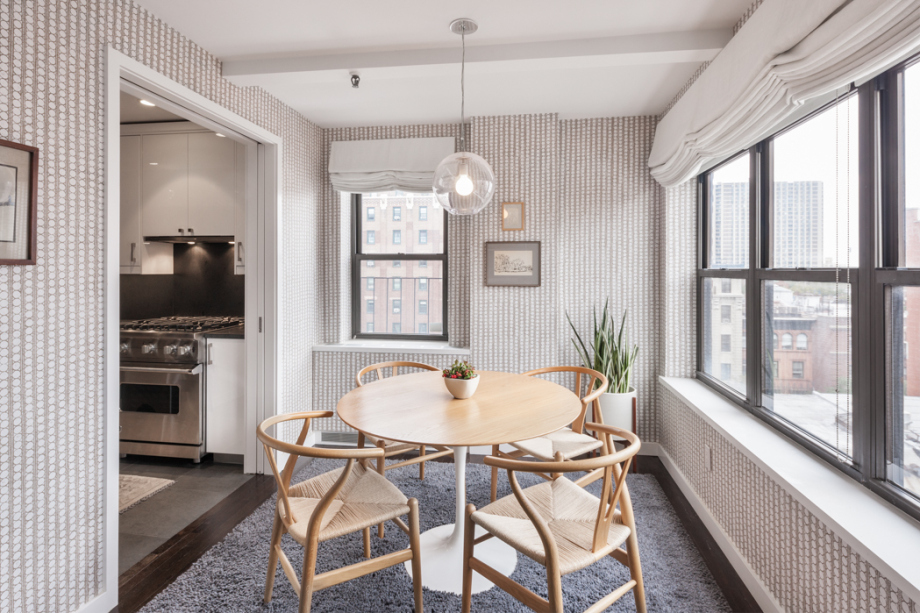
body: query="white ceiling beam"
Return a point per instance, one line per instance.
(693, 46)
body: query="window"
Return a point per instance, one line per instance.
(726, 342)
(726, 313)
(819, 224)
(370, 306)
(370, 237)
(397, 327)
(371, 213)
(726, 372)
(395, 281)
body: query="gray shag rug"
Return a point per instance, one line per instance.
(231, 576)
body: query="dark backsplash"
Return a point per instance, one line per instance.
(203, 283)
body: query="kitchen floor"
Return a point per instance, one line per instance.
(197, 488)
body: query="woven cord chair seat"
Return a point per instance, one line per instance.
(390, 446)
(366, 500)
(571, 514)
(570, 443)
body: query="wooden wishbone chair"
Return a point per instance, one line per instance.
(391, 448)
(565, 443)
(548, 523)
(330, 505)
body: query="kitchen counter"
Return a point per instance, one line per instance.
(234, 332)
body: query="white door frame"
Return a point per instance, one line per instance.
(263, 362)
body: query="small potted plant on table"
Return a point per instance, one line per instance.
(461, 379)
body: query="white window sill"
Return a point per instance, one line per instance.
(886, 537)
(391, 346)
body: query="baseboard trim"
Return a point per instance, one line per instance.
(751, 580)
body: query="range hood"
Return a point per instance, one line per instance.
(189, 239)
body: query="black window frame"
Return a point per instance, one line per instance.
(358, 258)
(881, 184)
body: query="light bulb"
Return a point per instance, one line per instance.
(464, 185)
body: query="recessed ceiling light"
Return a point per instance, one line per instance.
(147, 103)
(220, 135)
(154, 163)
(191, 242)
(231, 242)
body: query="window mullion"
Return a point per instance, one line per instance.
(757, 206)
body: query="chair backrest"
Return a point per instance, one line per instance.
(589, 385)
(298, 449)
(615, 465)
(395, 365)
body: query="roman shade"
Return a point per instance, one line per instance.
(406, 164)
(788, 52)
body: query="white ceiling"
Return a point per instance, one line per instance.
(132, 111)
(591, 58)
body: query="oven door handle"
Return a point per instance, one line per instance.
(189, 370)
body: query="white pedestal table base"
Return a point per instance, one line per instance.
(442, 547)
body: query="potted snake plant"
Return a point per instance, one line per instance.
(611, 355)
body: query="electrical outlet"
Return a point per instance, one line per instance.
(707, 457)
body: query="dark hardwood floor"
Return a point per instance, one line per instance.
(150, 576)
(147, 578)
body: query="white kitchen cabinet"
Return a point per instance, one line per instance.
(225, 399)
(130, 241)
(164, 179)
(212, 185)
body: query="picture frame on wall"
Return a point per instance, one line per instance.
(512, 216)
(18, 203)
(513, 263)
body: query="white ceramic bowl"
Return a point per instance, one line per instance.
(461, 388)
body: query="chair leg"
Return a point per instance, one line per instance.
(469, 535)
(309, 572)
(421, 465)
(361, 446)
(367, 542)
(416, 546)
(381, 468)
(494, 492)
(635, 571)
(554, 589)
(273, 558)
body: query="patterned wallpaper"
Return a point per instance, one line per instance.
(591, 203)
(805, 565)
(678, 282)
(51, 343)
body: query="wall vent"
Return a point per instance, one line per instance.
(338, 438)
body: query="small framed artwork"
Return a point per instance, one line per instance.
(515, 263)
(512, 216)
(18, 198)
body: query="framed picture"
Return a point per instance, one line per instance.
(512, 216)
(514, 263)
(18, 198)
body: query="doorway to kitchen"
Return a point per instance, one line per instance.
(191, 224)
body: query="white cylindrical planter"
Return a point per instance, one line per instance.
(461, 388)
(617, 409)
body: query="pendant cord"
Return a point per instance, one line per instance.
(463, 88)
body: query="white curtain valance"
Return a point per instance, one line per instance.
(406, 164)
(788, 52)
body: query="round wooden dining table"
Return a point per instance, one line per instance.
(417, 408)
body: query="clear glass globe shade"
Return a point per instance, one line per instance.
(458, 173)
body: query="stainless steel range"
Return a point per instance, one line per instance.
(163, 384)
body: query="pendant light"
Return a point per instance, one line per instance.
(463, 182)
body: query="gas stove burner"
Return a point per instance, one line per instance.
(181, 324)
